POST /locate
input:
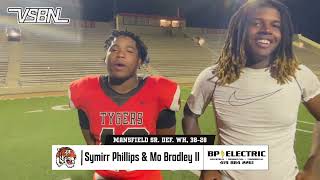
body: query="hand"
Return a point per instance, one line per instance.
(311, 169)
(210, 175)
(304, 175)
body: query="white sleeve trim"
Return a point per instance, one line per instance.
(305, 99)
(175, 106)
(71, 104)
(192, 109)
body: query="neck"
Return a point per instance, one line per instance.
(258, 62)
(123, 86)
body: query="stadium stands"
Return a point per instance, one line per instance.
(3, 55)
(3, 63)
(52, 56)
(61, 59)
(176, 56)
(47, 60)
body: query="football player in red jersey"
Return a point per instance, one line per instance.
(122, 103)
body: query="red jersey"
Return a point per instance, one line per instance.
(137, 116)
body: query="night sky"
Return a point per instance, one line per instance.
(203, 13)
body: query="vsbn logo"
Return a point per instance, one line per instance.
(39, 15)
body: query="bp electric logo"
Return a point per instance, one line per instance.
(236, 157)
(216, 154)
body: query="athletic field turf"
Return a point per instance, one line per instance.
(30, 126)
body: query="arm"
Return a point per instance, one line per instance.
(190, 124)
(167, 131)
(166, 124)
(85, 128)
(311, 169)
(75, 94)
(313, 105)
(201, 95)
(88, 137)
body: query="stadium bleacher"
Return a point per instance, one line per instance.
(40, 55)
(3, 63)
(56, 55)
(56, 60)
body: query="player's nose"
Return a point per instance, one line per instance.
(120, 53)
(265, 29)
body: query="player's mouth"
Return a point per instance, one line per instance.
(118, 66)
(263, 43)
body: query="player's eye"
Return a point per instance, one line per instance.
(113, 49)
(276, 25)
(130, 50)
(256, 23)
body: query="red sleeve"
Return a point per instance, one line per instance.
(169, 94)
(74, 93)
(78, 90)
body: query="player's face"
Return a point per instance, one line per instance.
(264, 33)
(122, 58)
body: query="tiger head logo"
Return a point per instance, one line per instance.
(67, 156)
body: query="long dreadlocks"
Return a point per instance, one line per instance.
(233, 56)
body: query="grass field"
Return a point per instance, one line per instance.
(30, 126)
